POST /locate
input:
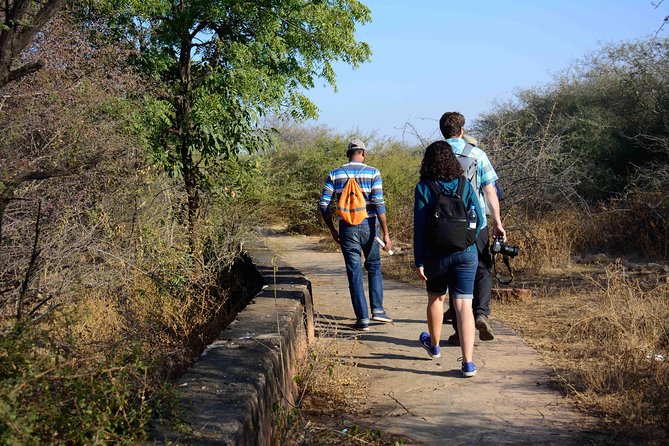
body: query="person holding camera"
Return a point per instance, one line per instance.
(451, 125)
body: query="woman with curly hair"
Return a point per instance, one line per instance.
(450, 271)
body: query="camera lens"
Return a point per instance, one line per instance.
(510, 250)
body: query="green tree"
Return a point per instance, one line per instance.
(222, 65)
(589, 133)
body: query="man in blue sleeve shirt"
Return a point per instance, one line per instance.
(452, 126)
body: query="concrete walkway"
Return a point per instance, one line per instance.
(427, 401)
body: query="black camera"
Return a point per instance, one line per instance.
(499, 247)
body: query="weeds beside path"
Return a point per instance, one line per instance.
(398, 390)
(604, 330)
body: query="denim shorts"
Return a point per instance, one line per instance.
(454, 273)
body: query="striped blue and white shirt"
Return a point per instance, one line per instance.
(369, 179)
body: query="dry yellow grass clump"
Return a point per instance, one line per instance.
(602, 326)
(604, 331)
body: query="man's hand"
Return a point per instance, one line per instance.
(327, 217)
(498, 231)
(335, 235)
(386, 240)
(421, 273)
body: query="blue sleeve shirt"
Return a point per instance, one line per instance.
(369, 179)
(424, 202)
(486, 173)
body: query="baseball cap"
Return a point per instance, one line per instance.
(356, 144)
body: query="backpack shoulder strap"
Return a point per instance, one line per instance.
(359, 172)
(432, 185)
(355, 177)
(467, 150)
(461, 186)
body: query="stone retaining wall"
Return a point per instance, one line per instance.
(229, 396)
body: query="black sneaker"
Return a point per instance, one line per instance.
(484, 328)
(362, 326)
(454, 339)
(449, 316)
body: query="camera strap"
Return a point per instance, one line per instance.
(508, 267)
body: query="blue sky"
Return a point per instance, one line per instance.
(434, 56)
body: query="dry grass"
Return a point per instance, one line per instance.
(332, 394)
(600, 328)
(330, 375)
(545, 242)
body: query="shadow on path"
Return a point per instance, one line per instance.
(427, 401)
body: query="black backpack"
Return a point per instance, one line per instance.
(448, 229)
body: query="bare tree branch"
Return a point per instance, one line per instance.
(664, 22)
(7, 194)
(24, 70)
(32, 266)
(656, 5)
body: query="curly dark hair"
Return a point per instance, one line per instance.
(439, 163)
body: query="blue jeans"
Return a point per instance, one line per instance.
(453, 272)
(355, 242)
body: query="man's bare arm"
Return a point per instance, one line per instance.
(327, 217)
(491, 197)
(383, 221)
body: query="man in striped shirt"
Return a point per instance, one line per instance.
(358, 240)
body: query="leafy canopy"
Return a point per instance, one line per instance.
(221, 65)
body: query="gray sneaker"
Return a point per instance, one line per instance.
(381, 317)
(484, 328)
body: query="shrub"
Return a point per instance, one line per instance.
(51, 398)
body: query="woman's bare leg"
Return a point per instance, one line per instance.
(435, 316)
(466, 327)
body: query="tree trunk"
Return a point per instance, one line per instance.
(184, 119)
(21, 25)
